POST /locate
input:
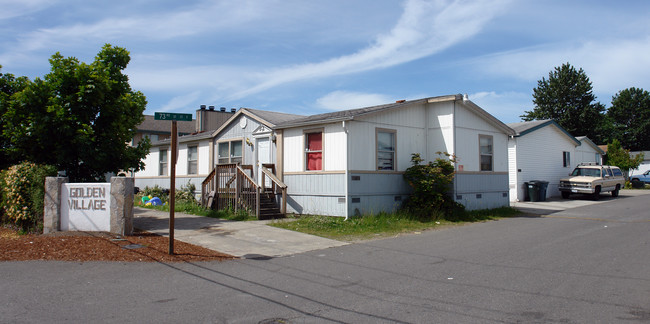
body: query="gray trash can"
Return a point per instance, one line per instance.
(526, 195)
(542, 189)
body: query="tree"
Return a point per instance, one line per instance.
(80, 117)
(630, 115)
(621, 158)
(9, 85)
(567, 98)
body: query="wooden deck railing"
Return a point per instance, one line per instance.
(277, 187)
(229, 186)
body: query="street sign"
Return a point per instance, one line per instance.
(172, 116)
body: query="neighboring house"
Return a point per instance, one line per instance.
(246, 137)
(157, 130)
(352, 162)
(543, 150)
(645, 164)
(588, 151)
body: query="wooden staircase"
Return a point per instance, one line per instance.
(230, 186)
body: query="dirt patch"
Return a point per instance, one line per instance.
(100, 246)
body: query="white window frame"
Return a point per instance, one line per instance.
(393, 133)
(306, 133)
(490, 154)
(191, 162)
(162, 164)
(230, 157)
(566, 159)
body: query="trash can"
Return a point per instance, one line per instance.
(526, 195)
(542, 189)
(533, 190)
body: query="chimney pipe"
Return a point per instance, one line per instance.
(202, 107)
(233, 110)
(222, 109)
(211, 108)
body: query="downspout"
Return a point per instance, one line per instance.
(453, 123)
(347, 168)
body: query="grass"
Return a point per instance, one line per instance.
(189, 207)
(381, 225)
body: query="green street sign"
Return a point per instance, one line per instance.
(172, 116)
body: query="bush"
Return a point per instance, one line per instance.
(155, 191)
(23, 194)
(186, 193)
(431, 184)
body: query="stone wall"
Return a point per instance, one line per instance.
(121, 206)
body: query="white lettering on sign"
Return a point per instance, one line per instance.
(85, 207)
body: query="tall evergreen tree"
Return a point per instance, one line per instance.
(567, 98)
(630, 115)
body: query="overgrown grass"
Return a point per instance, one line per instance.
(380, 225)
(189, 207)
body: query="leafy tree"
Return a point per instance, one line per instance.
(567, 98)
(9, 85)
(621, 158)
(630, 115)
(80, 117)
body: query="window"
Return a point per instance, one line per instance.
(486, 152)
(617, 172)
(192, 159)
(162, 161)
(229, 152)
(566, 159)
(385, 150)
(314, 151)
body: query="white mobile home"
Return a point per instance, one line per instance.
(352, 162)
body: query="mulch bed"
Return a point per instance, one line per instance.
(100, 246)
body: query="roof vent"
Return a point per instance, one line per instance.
(400, 101)
(222, 109)
(232, 110)
(202, 107)
(211, 108)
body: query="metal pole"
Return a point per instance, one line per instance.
(172, 188)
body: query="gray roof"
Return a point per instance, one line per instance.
(150, 125)
(526, 127)
(273, 117)
(346, 114)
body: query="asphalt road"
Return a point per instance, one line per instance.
(589, 264)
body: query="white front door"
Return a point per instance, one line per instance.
(263, 156)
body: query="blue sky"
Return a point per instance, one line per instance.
(309, 57)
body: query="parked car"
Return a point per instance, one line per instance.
(644, 177)
(592, 179)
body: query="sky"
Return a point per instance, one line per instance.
(309, 57)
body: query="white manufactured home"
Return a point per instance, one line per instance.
(543, 150)
(352, 162)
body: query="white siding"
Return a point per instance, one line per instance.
(204, 157)
(586, 153)
(539, 157)
(294, 149)
(513, 174)
(333, 148)
(468, 128)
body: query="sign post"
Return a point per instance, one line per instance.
(172, 177)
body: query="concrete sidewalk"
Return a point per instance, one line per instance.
(253, 239)
(557, 204)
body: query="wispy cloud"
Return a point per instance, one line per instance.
(341, 100)
(425, 28)
(611, 65)
(12, 9)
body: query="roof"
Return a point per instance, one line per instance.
(585, 139)
(527, 127)
(352, 113)
(268, 118)
(150, 125)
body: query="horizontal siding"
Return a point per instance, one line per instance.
(481, 191)
(316, 205)
(377, 184)
(375, 204)
(315, 184)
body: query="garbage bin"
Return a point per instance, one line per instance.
(533, 190)
(542, 189)
(526, 195)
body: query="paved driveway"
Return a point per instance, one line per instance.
(556, 204)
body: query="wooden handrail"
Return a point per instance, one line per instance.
(274, 178)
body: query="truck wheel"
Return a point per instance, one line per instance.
(596, 194)
(566, 194)
(615, 192)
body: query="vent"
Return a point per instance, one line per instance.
(356, 200)
(356, 178)
(232, 110)
(341, 200)
(222, 109)
(505, 194)
(211, 108)
(459, 197)
(479, 196)
(398, 198)
(202, 107)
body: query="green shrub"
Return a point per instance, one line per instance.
(155, 191)
(431, 183)
(23, 194)
(186, 193)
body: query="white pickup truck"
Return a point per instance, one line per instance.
(592, 179)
